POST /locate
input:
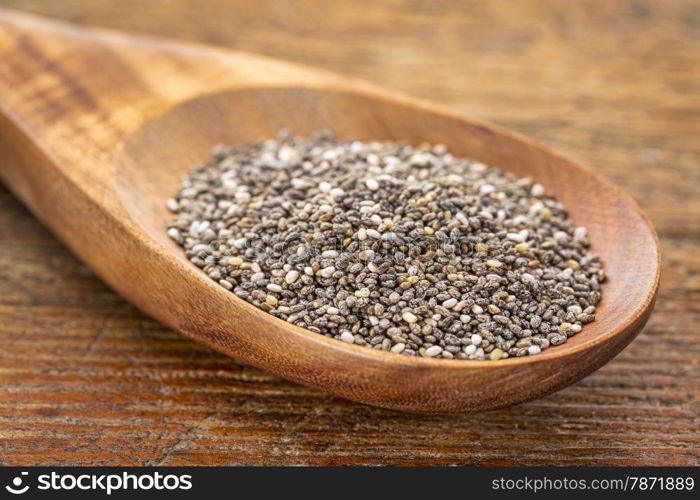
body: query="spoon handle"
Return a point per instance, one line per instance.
(73, 93)
(67, 96)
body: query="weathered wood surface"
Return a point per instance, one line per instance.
(85, 378)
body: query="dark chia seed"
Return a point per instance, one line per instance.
(393, 247)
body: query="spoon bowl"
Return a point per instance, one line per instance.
(97, 162)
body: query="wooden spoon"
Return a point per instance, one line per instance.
(97, 128)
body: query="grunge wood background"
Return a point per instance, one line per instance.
(85, 378)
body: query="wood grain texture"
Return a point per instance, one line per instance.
(95, 154)
(122, 392)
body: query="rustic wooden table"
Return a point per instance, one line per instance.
(85, 378)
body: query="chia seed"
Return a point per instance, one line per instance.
(397, 248)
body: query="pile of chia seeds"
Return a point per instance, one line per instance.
(381, 244)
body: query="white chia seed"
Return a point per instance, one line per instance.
(409, 317)
(449, 303)
(347, 337)
(433, 351)
(372, 184)
(533, 349)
